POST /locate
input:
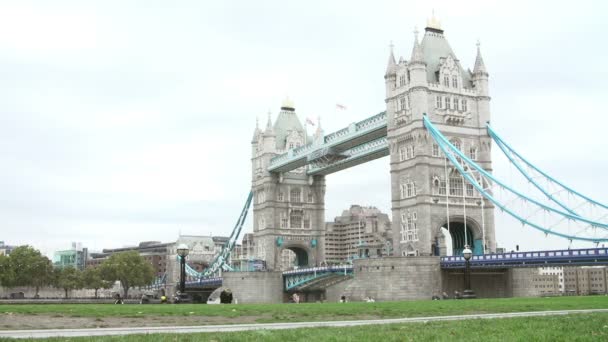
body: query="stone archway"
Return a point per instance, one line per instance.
(298, 256)
(452, 242)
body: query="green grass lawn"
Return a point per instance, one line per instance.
(313, 311)
(576, 327)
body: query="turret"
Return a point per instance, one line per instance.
(256, 137)
(390, 76)
(480, 82)
(269, 144)
(417, 65)
(480, 74)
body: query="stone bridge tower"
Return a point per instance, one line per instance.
(427, 194)
(288, 208)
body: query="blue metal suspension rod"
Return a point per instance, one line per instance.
(491, 198)
(220, 258)
(443, 142)
(507, 153)
(433, 129)
(497, 138)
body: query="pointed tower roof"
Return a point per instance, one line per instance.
(480, 67)
(417, 53)
(435, 47)
(391, 67)
(256, 131)
(269, 129)
(319, 130)
(286, 121)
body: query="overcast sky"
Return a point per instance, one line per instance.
(123, 121)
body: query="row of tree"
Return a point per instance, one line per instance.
(26, 266)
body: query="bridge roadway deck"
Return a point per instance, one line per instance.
(271, 326)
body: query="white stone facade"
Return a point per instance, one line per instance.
(434, 83)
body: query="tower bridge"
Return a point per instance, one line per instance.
(435, 131)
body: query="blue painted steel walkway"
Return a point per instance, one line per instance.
(568, 257)
(358, 143)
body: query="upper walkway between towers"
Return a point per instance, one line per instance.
(358, 142)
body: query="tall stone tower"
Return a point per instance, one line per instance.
(427, 194)
(288, 208)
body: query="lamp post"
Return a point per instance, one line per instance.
(182, 251)
(467, 293)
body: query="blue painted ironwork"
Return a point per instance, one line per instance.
(509, 152)
(221, 259)
(299, 277)
(586, 256)
(158, 282)
(332, 143)
(215, 281)
(450, 150)
(378, 147)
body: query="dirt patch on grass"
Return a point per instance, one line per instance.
(26, 322)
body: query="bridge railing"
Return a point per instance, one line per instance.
(534, 256)
(205, 281)
(331, 139)
(320, 269)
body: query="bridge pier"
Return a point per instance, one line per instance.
(255, 287)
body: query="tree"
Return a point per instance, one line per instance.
(92, 280)
(30, 268)
(68, 278)
(7, 274)
(130, 268)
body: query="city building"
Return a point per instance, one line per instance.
(76, 257)
(163, 256)
(360, 232)
(6, 249)
(585, 280)
(556, 271)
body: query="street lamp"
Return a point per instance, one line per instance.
(467, 293)
(182, 251)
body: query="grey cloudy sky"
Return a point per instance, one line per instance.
(123, 121)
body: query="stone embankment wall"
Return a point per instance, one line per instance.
(393, 278)
(254, 287)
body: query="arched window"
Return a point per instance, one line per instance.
(446, 80)
(455, 81)
(456, 143)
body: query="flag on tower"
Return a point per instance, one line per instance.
(309, 122)
(340, 106)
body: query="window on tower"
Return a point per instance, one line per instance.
(455, 81)
(470, 190)
(435, 151)
(295, 219)
(456, 186)
(295, 195)
(402, 103)
(438, 101)
(473, 153)
(464, 105)
(446, 80)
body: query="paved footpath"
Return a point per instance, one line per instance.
(270, 326)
